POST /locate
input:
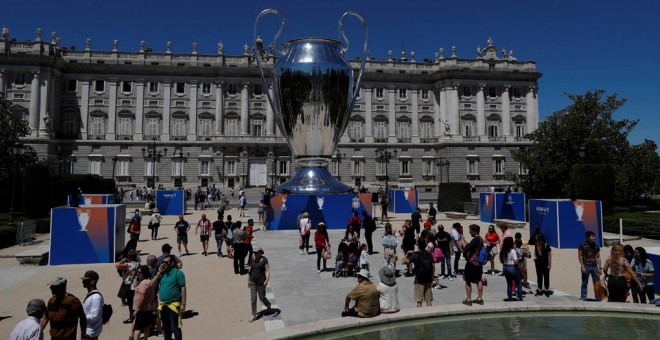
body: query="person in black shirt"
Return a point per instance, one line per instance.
(369, 228)
(415, 218)
(181, 227)
(217, 230)
(473, 270)
(432, 212)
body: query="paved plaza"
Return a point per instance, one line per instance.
(219, 299)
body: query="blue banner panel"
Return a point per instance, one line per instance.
(575, 218)
(402, 200)
(654, 255)
(89, 234)
(171, 202)
(543, 215)
(88, 199)
(333, 209)
(510, 206)
(487, 207)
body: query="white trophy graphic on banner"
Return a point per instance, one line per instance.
(319, 201)
(88, 201)
(487, 199)
(83, 219)
(283, 202)
(579, 210)
(405, 194)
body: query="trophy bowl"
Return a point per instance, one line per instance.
(313, 93)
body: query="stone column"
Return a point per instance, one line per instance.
(112, 109)
(192, 125)
(529, 101)
(391, 118)
(453, 115)
(368, 116)
(481, 111)
(436, 109)
(84, 107)
(35, 97)
(443, 110)
(415, 116)
(167, 110)
(535, 99)
(45, 85)
(219, 107)
(270, 118)
(244, 110)
(506, 112)
(139, 110)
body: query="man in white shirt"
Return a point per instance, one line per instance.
(93, 305)
(33, 326)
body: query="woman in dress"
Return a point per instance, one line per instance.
(492, 243)
(322, 242)
(509, 257)
(614, 269)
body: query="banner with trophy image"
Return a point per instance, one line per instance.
(403, 201)
(501, 205)
(334, 210)
(88, 199)
(86, 234)
(564, 222)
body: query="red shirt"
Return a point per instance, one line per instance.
(205, 227)
(492, 237)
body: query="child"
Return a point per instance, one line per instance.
(364, 257)
(340, 261)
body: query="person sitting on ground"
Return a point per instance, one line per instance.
(388, 290)
(366, 297)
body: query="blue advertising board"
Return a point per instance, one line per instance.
(654, 255)
(402, 200)
(564, 222)
(334, 210)
(171, 202)
(88, 199)
(502, 205)
(89, 234)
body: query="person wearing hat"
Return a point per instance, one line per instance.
(258, 278)
(167, 251)
(33, 326)
(155, 223)
(388, 290)
(93, 304)
(322, 243)
(64, 312)
(366, 298)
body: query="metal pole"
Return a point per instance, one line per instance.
(153, 161)
(621, 230)
(13, 193)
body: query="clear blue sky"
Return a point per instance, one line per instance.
(578, 45)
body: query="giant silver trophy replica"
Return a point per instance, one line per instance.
(313, 97)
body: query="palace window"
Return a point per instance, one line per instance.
(152, 128)
(231, 127)
(180, 88)
(99, 86)
(205, 168)
(405, 167)
(356, 131)
(179, 126)
(95, 167)
(472, 167)
(153, 87)
(231, 168)
(380, 129)
(257, 127)
(403, 130)
(357, 168)
(19, 79)
(283, 167)
(71, 85)
(177, 167)
(206, 88)
(206, 126)
(467, 91)
(97, 126)
(379, 93)
(425, 94)
(498, 165)
(491, 92)
(403, 94)
(126, 87)
(428, 167)
(258, 90)
(125, 126)
(122, 168)
(426, 129)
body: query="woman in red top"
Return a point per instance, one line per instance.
(321, 241)
(492, 242)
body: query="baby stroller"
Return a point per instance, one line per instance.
(346, 262)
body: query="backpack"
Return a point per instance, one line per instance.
(484, 255)
(107, 309)
(425, 270)
(438, 256)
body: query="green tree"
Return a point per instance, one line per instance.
(13, 125)
(585, 132)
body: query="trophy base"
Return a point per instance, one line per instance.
(313, 180)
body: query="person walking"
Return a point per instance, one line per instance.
(305, 229)
(249, 237)
(64, 312)
(239, 249)
(134, 229)
(408, 243)
(258, 278)
(228, 235)
(144, 304)
(242, 200)
(129, 266)
(172, 291)
(182, 227)
(443, 240)
(156, 218)
(32, 328)
(321, 242)
(92, 305)
(218, 227)
(369, 228)
(204, 227)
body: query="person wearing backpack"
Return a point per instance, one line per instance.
(424, 273)
(473, 269)
(92, 305)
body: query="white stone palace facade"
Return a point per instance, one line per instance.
(196, 120)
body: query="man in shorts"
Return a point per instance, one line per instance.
(205, 233)
(424, 273)
(181, 227)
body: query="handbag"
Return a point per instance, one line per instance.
(123, 290)
(327, 253)
(150, 226)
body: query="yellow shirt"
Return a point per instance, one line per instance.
(366, 296)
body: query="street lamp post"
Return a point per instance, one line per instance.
(179, 156)
(154, 156)
(443, 165)
(386, 156)
(17, 149)
(114, 166)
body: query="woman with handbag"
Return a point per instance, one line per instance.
(322, 243)
(492, 243)
(129, 266)
(614, 269)
(304, 227)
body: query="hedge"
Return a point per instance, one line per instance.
(452, 195)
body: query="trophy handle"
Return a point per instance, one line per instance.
(258, 55)
(348, 44)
